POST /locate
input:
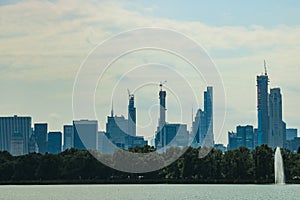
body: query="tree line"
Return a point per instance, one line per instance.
(80, 166)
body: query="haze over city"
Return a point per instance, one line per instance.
(43, 44)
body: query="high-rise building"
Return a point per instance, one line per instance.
(32, 146)
(17, 144)
(172, 135)
(247, 135)
(243, 137)
(131, 116)
(208, 109)
(85, 134)
(293, 145)
(234, 141)
(68, 137)
(199, 127)
(169, 134)
(121, 132)
(262, 109)
(291, 133)
(162, 107)
(105, 146)
(117, 129)
(276, 137)
(203, 123)
(14, 125)
(54, 142)
(41, 135)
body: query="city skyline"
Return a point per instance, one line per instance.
(121, 132)
(263, 97)
(44, 42)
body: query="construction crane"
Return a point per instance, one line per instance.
(161, 84)
(129, 94)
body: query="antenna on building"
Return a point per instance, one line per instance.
(161, 84)
(265, 66)
(112, 109)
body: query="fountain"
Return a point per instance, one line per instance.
(278, 165)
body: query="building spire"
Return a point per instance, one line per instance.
(265, 66)
(161, 84)
(112, 109)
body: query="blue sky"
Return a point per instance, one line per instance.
(43, 44)
(225, 13)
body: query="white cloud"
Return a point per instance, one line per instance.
(40, 41)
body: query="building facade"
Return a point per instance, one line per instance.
(68, 137)
(131, 116)
(118, 134)
(17, 144)
(262, 109)
(291, 133)
(54, 142)
(243, 137)
(277, 127)
(10, 126)
(41, 135)
(85, 134)
(169, 134)
(203, 127)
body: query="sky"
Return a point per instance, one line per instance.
(43, 44)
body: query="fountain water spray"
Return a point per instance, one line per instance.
(278, 165)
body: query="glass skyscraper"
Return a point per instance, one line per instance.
(41, 135)
(262, 109)
(54, 142)
(85, 134)
(14, 127)
(131, 116)
(276, 137)
(203, 125)
(68, 137)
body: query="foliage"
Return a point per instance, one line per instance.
(240, 165)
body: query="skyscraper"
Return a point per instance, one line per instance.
(14, 125)
(199, 127)
(17, 144)
(54, 142)
(68, 137)
(32, 146)
(169, 134)
(277, 128)
(243, 137)
(117, 129)
(162, 109)
(85, 134)
(121, 132)
(247, 135)
(203, 123)
(262, 109)
(208, 109)
(131, 116)
(41, 134)
(291, 133)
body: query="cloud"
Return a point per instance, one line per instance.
(48, 40)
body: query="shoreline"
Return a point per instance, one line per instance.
(137, 182)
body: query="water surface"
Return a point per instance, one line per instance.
(126, 192)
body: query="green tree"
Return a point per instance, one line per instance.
(7, 166)
(25, 167)
(49, 168)
(264, 163)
